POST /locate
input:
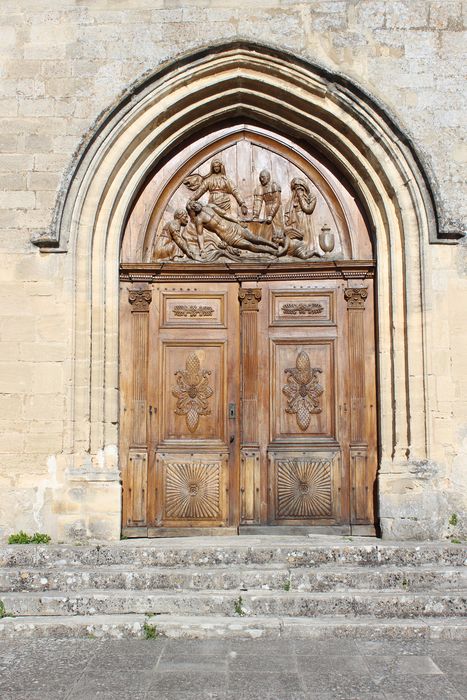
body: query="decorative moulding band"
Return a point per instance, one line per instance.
(146, 272)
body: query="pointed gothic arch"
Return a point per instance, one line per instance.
(271, 87)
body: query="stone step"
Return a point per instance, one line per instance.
(236, 551)
(379, 604)
(325, 578)
(205, 627)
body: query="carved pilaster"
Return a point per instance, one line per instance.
(249, 473)
(249, 301)
(355, 298)
(140, 300)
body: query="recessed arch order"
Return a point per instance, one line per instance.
(327, 113)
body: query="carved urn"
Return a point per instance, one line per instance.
(326, 239)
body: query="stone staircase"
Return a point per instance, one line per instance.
(271, 586)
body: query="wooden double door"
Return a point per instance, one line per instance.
(248, 405)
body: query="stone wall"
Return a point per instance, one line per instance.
(64, 63)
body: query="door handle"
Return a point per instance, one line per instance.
(232, 438)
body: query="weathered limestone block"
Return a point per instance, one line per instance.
(421, 505)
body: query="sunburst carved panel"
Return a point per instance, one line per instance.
(192, 490)
(303, 488)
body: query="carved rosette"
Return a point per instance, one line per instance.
(249, 299)
(140, 299)
(192, 490)
(356, 297)
(192, 392)
(303, 390)
(303, 488)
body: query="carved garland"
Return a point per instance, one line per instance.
(310, 309)
(192, 310)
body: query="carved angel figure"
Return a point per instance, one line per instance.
(220, 188)
(299, 210)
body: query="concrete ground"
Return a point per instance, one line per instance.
(161, 669)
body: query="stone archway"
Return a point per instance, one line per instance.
(330, 115)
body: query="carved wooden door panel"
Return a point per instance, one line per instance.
(309, 458)
(191, 381)
(252, 406)
(247, 271)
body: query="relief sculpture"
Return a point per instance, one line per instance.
(303, 488)
(303, 390)
(192, 392)
(216, 222)
(268, 195)
(171, 243)
(220, 189)
(234, 236)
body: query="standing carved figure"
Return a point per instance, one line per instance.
(268, 194)
(171, 243)
(231, 233)
(298, 214)
(220, 189)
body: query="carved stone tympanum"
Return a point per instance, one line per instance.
(223, 215)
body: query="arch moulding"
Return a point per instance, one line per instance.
(323, 112)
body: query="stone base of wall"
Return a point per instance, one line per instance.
(420, 506)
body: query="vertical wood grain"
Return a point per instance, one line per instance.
(135, 486)
(249, 473)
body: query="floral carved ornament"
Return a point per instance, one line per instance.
(192, 392)
(303, 390)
